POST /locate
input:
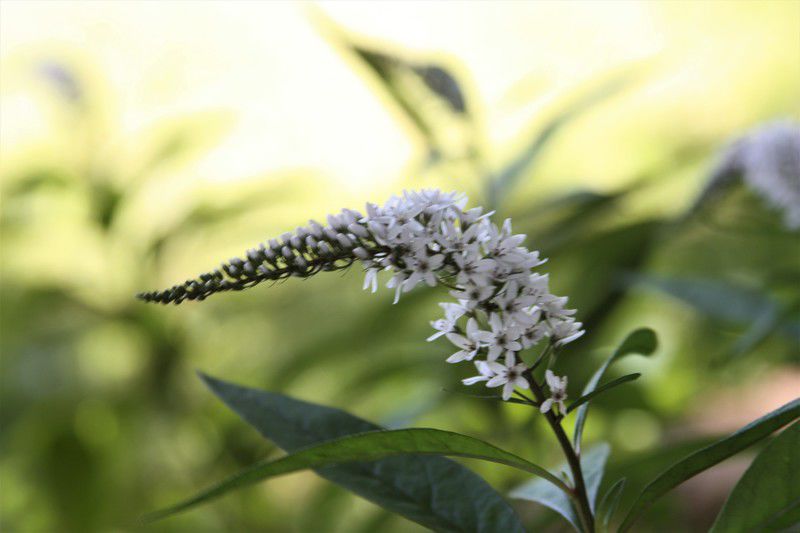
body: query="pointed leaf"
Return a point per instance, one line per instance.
(710, 456)
(601, 389)
(544, 493)
(368, 446)
(609, 504)
(768, 490)
(642, 341)
(447, 496)
(443, 84)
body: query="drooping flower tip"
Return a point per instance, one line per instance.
(422, 237)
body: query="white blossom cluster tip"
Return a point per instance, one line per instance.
(500, 306)
(767, 158)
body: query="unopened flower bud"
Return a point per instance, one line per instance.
(358, 230)
(315, 228)
(330, 234)
(344, 240)
(335, 221)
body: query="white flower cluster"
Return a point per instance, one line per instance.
(501, 307)
(768, 160)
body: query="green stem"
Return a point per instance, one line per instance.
(579, 490)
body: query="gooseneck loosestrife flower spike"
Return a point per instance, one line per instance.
(426, 237)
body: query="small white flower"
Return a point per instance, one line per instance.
(424, 268)
(371, 280)
(509, 376)
(503, 339)
(473, 294)
(471, 344)
(565, 331)
(558, 392)
(443, 326)
(473, 269)
(516, 306)
(486, 370)
(396, 283)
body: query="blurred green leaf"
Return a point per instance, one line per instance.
(643, 341)
(768, 490)
(368, 446)
(443, 84)
(433, 491)
(605, 511)
(710, 456)
(720, 300)
(601, 389)
(544, 493)
(715, 298)
(508, 177)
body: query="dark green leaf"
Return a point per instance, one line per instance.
(710, 456)
(601, 389)
(642, 341)
(369, 446)
(444, 85)
(605, 510)
(540, 491)
(768, 490)
(447, 497)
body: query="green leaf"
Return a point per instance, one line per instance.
(710, 456)
(544, 493)
(508, 177)
(768, 490)
(369, 446)
(601, 389)
(433, 491)
(609, 504)
(443, 84)
(642, 341)
(727, 302)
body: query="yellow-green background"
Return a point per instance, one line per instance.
(195, 130)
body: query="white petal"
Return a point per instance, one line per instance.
(458, 357)
(508, 390)
(436, 336)
(546, 405)
(497, 381)
(496, 368)
(458, 340)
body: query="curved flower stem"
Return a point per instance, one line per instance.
(579, 490)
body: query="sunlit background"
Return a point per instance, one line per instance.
(145, 142)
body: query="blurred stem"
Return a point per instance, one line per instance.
(579, 490)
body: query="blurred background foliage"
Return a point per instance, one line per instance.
(144, 143)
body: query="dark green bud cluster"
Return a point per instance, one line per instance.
(305, 252)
